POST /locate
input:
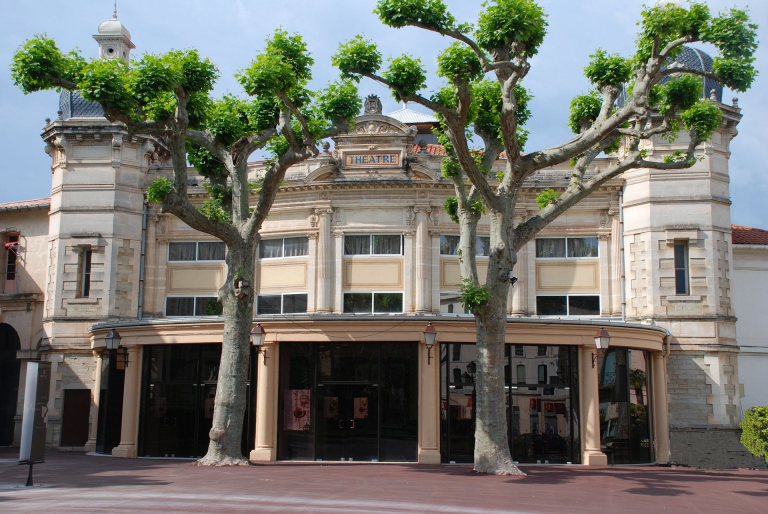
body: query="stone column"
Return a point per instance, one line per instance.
(660, 408)
(408, 270)
(338, 263)
(422, 259)
(434, 237)
(324, 260)
(429, 403)
(266, 404)
(615, 265)
(605, 275)
(592, 455)
(127, 447)
(312, 272)
(90, 446)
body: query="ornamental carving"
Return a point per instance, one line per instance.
(336, 218)
(603, 216)
(372, 105)
(434, 216)
(373, 127)
(409, 216)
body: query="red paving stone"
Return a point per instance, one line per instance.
(74, 482)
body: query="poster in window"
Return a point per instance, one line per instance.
(331, 407)
(560, 409)
(361, 408)
(296, 405)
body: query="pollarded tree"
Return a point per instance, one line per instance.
(483, 70)
(167, 96)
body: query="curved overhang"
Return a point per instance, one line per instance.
(389, 328)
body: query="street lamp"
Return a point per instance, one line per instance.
(257, 340)
(602, 340)
(430, 335)
(112, 341)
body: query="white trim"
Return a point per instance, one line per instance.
(194, 303)
(567, 306)
(197, 251)
(258, 249)
(440, 246)
(565, 257)
(281, 295)
(370, 245)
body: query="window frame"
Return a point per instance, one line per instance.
(194, 304)
(282, 256)
(85, 284)
(568, 306)
(282, 303)
(197, 251)
(685, 269)
(456, 294)
(440, 246)
(11, 256)
(373, 305)
(565, 257)
(370, 245)
(538, 374)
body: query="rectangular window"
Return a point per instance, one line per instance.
(200, 251)
(379, 303)
(542, 374)
(177, 306)
(281, 304)
(541, 351)
(286, 247)
(520, 374)
(566, 247)
(449, 245)
(568, 305)
(519, 351)
(681, 268)
(384, 244)
(11, 263)
(87, 256)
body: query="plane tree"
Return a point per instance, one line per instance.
(168, 97)
(632, 99)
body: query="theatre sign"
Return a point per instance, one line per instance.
(352, 160)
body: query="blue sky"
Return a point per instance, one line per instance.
(231, 32)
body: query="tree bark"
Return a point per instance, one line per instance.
(225, 444)
(492, 454)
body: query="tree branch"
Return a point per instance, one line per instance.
(412, 98)
(307, 138)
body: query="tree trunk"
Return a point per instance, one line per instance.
(492, 453)
(224, 448)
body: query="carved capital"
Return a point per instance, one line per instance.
(338, 233)
(603, 237)
(408, 234)
(435, 233)
(312, 235)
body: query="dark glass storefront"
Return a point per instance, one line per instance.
(110, 403)
(348, 402)
(541, 397)
(625, 431)
(178, 391)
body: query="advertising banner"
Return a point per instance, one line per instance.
(33, 424)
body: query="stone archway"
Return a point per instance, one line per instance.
(10, 368)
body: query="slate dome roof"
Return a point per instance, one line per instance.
(73, 105)
(696, 59)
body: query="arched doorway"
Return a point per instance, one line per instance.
(9, 382)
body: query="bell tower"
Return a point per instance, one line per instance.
(114, 39)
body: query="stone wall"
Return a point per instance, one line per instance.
(710, 448)
(71, 370)
(688, 390)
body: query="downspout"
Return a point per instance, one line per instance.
(141, 260)
(621, 253)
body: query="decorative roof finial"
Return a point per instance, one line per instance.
(372, 105)
(114, 14)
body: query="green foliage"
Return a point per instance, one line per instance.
(159, 189)
(608, 70)
(213, 307)
(732, 34)
(357, 56)
(451, 206)
(506, 22)
(406, 75)
(738, 74)
(38, 62)
(702, 118)
(473, 295)
(339, 100)
(214, 207)
(458, 63)
(432, 14)
(546, 197)
(105, 82)
(668, 24)
(584, 111)
(207, 164)
(754, 431)
(676, 156)
(450, 167)
(284, 64)
(486, 98)
(678, 94)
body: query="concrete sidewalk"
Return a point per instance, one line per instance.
(74, 482)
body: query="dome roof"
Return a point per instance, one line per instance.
(73, 105)
(696, 59)
(113, 28)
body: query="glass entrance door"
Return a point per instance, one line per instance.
(348, 427)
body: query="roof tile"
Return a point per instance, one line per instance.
(741, 235)
(40, 203)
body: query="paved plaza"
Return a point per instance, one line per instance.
(74, 482)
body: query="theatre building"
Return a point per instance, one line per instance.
(358, 257)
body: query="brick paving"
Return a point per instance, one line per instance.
(74, 482)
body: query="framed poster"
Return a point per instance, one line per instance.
(296, 409)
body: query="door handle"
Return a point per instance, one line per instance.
(353, 423)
